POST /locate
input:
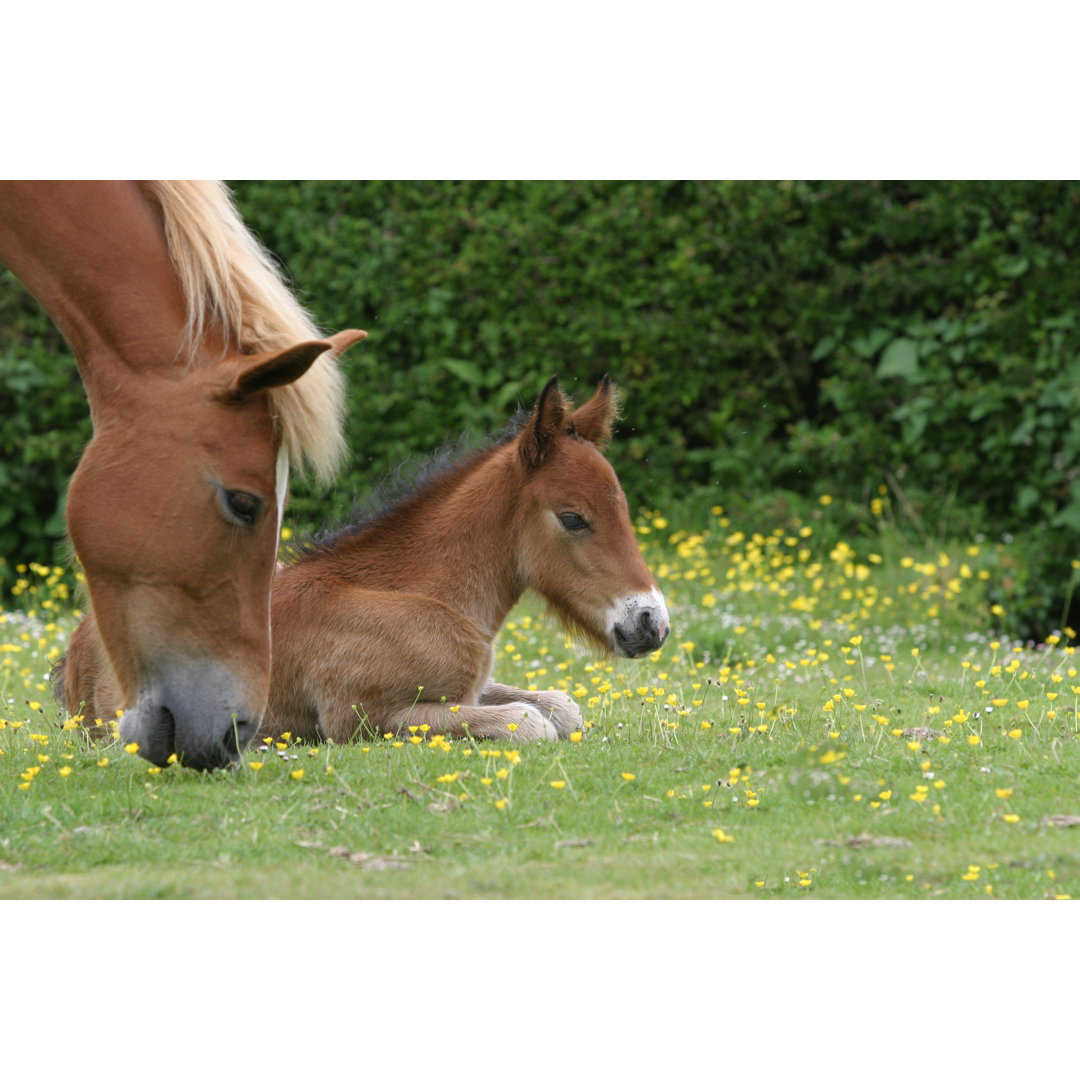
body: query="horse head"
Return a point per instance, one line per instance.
(174, 512)
(579, 551)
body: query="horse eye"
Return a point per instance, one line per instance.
(573, 522)
(242, 506)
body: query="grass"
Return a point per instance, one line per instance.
(831, 718)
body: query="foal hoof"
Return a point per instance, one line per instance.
(534, 728)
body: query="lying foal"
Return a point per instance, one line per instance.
(391, 623)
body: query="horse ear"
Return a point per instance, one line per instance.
(544, 424)
(267, 370)
(595, 419)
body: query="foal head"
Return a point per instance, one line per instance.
(578, 548)
(174, 511)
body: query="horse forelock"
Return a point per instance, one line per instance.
(230, 282)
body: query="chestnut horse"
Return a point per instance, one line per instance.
(391, 622)
(205, 378)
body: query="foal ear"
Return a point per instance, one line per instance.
(267, 370)
(547, 420)
(595, 419)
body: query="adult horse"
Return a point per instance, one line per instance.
(205, 378)
(391, 621)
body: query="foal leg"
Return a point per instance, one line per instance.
(517, 721)
(556, 707)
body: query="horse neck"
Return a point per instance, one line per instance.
(95, 257)
(454, 541)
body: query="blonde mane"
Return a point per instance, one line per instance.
(231, 282)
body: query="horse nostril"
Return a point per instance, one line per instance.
(645, 621)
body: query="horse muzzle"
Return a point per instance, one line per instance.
(200, 727)
(641, 625)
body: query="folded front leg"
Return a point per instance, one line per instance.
(554, 705)
(519, 721)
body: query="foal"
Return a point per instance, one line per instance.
(391, 622)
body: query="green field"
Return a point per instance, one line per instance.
(830, 718)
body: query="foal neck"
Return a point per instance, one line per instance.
(452, 540)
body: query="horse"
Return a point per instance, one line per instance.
(206, 380)
(390, 621)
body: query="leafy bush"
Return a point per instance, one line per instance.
(806, 337)
(44, 425)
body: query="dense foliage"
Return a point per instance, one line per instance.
(840, 337)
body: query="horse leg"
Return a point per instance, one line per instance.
(517, 721)
(554, 705)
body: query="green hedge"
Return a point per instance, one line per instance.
(805, 337)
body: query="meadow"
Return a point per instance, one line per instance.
(834, 715)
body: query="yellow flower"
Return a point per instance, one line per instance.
(628, 776)
(1003, 792)
(1015, 733)
(1012, 819)
(723, 837)
(65, 771)
(575, 736)
(558, 785)
(974, 740)
(256, 765)
(131, 748)
(297, 774)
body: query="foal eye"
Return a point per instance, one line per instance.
(573, 522)
(242, 506)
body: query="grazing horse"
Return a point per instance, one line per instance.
(205, 379)
(391, 621)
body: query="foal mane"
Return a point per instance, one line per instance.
(231, 282)
(396, 491)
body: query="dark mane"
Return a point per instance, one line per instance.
(395, 491)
